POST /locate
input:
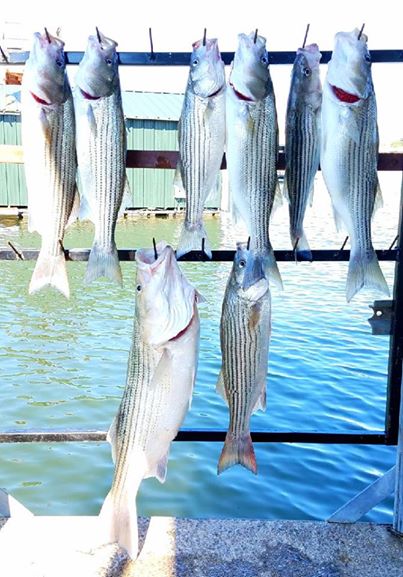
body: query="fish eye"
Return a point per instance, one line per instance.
(264, 59)
(195, 62)
(108, 61)
(59, 62)
(368, 58)
(242, 263)
(306, 71)
(139, 288)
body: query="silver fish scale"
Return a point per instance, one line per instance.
(201, 142)
(302, 162)
(244, 345)
(358, 163)
(59, 169)
(257, 158)
(140, 408)
(107, 166)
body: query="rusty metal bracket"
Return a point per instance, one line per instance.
(381, 320)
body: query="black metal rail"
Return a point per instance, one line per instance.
(209, 435)
(183, 58)
(128, 254)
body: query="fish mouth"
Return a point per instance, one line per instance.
(88, 96)
(344, 96)
(40, 100)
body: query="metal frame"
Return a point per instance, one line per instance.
(168, 159)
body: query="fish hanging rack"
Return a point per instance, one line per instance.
(393, 430)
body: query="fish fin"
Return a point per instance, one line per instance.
(163, 370)
(91, 120)
(271, 270)
(303, 250)
(177, 181)
(161, 469)
(286, 193)
(220, 387)
(191, 239)
(103, 262)
(50, 270)
(278, 198)
(338, 221)
(126, 199)
(261, 402)
(75, 209)
(45, 124)
(112, 436)
(237, 450)
(364, 271)
(119, 519)
(199, 298)
(85, 212)
(378, 203)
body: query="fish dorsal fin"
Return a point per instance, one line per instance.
(220, 387)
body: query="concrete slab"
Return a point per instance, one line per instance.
(65, 546)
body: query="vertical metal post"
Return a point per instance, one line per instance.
(398, 508)
(396, 344)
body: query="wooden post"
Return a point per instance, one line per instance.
(398, 508)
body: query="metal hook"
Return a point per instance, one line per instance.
(48, 35)
(362, 28)
(248, 243)
(19, 254)
(394, 242)
(204, 36)
(155, 249)
(99, 36)
(4, 55)
(255, 38)
(152, 55)
(306, 35)
(344, 243)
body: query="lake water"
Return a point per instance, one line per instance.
(63, 366)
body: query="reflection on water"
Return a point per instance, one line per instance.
(64, 363)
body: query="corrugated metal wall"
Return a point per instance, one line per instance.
(150, 188)
(13, 191)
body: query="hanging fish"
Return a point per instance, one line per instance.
(48, 138)
(302, 141)
(349, 154)
(101, 151)
(201, 139)
(245, 333)
(160, 377)
(252, 145)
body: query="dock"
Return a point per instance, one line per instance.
(170, 547)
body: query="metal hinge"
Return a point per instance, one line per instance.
(381, 321)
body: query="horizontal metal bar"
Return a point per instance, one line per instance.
(183, 58)
(13, 153)
(205, 435)
(128, 254)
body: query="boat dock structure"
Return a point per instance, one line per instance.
(341, 546)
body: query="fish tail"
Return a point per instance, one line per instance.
(50, 270)
(119, 521)
(298, 239)
(103, 262)
(191, 238)
(271, 270)
(237, 449)
(364, 270)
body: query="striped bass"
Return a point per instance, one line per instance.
(349, 154)
(252, 145)
(245, 332)
(101, 151)
(302, 141)
(201, 139)
(48, 138)
(160, 377)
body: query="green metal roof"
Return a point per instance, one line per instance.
(139, 105)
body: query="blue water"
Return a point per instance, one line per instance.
(64, 363)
